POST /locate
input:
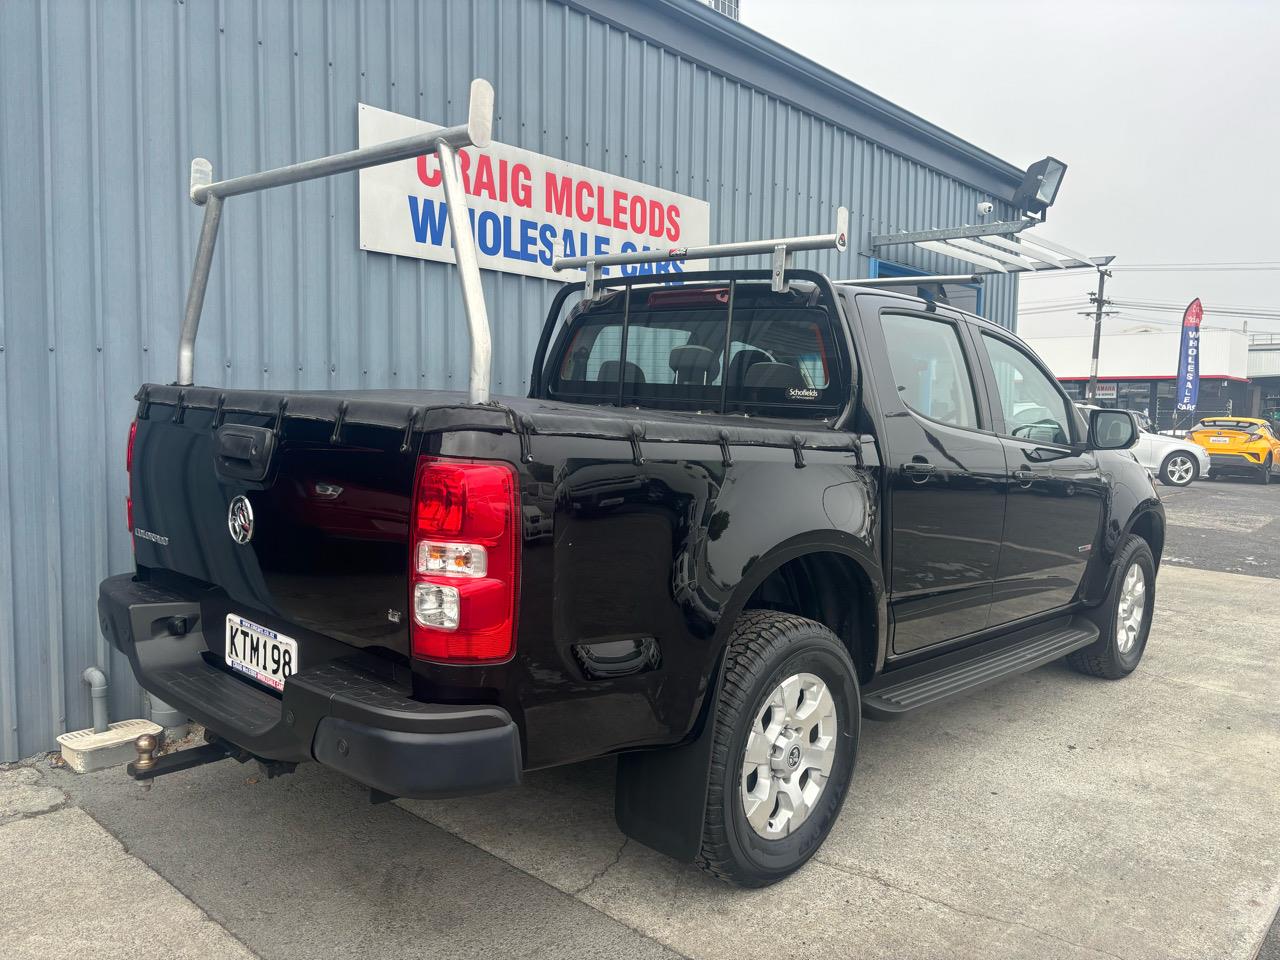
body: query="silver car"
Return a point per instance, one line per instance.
(1175, 462)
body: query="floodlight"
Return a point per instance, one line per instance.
(1039, 187)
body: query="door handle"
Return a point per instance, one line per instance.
(1024, 477)
(242, 452)
(919, 472)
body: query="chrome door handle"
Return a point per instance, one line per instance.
(919, 472)
(1024, 477)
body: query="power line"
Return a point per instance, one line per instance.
(1054, 302)
(1209, 263)
(1048, 306)
(1265, 308)
(1195, 268)
(1158, 306)
(1216, 311)
(1243, 266)
(1063, 308)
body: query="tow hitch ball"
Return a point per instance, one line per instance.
(148, 766)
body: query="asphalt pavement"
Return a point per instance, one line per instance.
(1232, 525)
(1052, 815)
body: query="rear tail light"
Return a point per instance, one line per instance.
(453, 559)
(128, 466)
(465, 555)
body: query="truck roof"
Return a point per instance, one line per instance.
(854, 287)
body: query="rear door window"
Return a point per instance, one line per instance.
(930, 374)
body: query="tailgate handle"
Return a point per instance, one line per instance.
(243, 453)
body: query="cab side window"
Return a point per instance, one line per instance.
(929, 370)
(1033, 408)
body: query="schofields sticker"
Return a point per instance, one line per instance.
(802, 393)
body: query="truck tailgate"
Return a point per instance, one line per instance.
(288, 510)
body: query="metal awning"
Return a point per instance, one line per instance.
(995, 247)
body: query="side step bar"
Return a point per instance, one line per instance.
(960, 673)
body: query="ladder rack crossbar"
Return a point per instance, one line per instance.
(780, 250)
(908, 281)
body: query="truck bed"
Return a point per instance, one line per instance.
(424, 411)
(331, 499)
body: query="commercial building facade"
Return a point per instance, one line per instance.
(1138, 370)
(1264, 375)
(106, 103)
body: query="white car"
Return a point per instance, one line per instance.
(1176, 462)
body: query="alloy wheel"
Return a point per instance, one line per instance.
(1132, 609)
(1180, 470)
(789, 754)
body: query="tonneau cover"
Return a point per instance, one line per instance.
(434, 410)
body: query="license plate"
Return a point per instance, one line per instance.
(260, 653)
(1219, 439)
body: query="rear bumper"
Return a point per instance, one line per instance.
(348, 714)
(1234, 463)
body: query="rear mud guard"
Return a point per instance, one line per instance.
(661, 795)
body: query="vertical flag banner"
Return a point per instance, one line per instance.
(1189, 356)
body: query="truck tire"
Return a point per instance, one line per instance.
(784, 745)
(1124, 617)
(1178, 469)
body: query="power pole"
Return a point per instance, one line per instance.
(1099, 302)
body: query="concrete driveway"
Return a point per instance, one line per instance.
(1053, 815)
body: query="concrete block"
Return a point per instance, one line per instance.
(86, 751)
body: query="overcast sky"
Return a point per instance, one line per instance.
(1166, 112)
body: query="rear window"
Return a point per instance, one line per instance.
(680, 349)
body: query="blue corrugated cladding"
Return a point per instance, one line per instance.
(106, 102)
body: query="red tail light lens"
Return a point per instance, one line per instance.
(464, 560)
(128, 466)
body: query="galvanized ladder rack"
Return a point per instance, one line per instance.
(912, 279)
(781, 249)
(443, 143)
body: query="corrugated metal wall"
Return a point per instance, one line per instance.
(106, 102)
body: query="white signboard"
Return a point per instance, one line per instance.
(526, 208)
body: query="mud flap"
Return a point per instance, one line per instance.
(661, 795)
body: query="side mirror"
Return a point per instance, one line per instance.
(1112, 430)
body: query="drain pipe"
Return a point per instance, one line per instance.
(175, 724)
(97, 681)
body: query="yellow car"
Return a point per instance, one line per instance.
(1240, 446)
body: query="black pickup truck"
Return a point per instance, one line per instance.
(733, 516)
(727, 522)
